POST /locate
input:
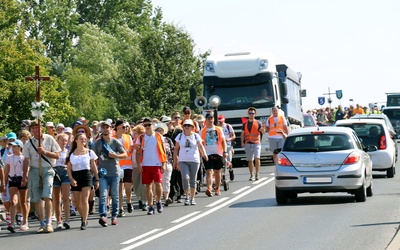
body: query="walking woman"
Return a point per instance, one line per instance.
(13, 174)
(188, 148)
(80, 167)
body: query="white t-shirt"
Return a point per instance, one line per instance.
(63, 156)
(150, 154)
(15, 162)
(227, 133)
(82, 162)
(188, 150)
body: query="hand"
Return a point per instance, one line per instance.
(2, 189)
(96, 185)
(74, 183)
(112, 155)
(139, 168)
(205, 157)
(24, 181)
(41, 150)
(163, 167)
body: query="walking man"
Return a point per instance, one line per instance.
(252, 131)
(38, 173)
(214, 142)
(277, 131)
(151, 161)
(109, 151)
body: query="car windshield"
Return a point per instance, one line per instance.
(308, 121)
(317, 143)
(369, 134)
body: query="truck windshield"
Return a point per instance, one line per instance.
(394, 117)
(242, 97)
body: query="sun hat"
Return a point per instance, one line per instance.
(188, 122)
(161, 125)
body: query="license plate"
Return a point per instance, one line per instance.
(310, 180)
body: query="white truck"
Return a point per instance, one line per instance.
(243, 80)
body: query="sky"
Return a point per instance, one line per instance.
(348, 45)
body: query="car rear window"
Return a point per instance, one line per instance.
(308, 121)
(317, 143)
(369, 134)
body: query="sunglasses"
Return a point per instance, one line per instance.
(177, 118)
(124, 127)
(252, 113)
(147, 125)
(187, 113)
(187, 125)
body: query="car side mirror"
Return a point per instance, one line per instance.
(277, 151)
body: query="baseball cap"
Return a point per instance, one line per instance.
(211, 114)
(221, 118)
(25, 123)
(186, 109)
(11, 135)
(17, 143)
(147, 119)
(106, 122)
(68, 130)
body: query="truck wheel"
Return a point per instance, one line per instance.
(280, 196)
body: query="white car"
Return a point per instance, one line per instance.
(375, 132)
(323, 159)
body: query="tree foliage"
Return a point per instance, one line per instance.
(106, 59)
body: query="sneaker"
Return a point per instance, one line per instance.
(11, 228)
(208, 193)
(103, 221)
(66, 225)
(178, 199)
(231, 175)
(251, 178)
(59, 225)
(83, 225)
(187, 201)
(257, 176)
(193, 202)
(114, 221)
(48, 229)
(159, 207)
(140, 204)
(168, 201)
(151, 211)
(72, 213)
(217, 192)
(53, 218)
(121, 213)
(24, 227)
(145, 207)
(40, 230)
(130, 208)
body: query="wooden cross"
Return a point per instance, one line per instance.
(38, 79)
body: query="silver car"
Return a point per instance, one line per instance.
(375, 132)
(323, 159)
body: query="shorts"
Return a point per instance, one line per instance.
(150, 174)
(215, 162)
(252, 151)
(37, 192)
(275, 143)
(62, 173)
(127, 176)
(16, 182)
(83, 179)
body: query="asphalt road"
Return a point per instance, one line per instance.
(244, 217)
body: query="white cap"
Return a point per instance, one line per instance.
(188, 122)
(49, 124)
(60, 125)
(68, 130)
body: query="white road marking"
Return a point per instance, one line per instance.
(193, 219)
(185, 217)
(241, 190)
(260, 180)
(141, 236)
(217, 202)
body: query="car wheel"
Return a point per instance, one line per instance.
(361, 193)
(280, 196)
(369, 190)
(390, 172)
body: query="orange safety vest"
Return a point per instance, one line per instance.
(253, 135)
(125, 141)
(219, 136)
(160, 148)
(274, 128)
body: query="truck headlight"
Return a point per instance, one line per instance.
(263, 64)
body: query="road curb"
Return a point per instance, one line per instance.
(395, 243)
